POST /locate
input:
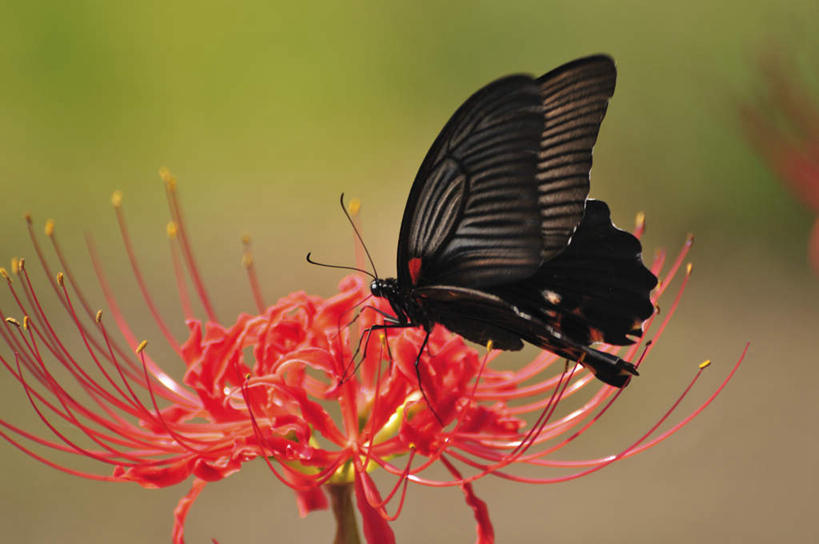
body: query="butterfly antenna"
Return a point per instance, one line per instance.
(357, 234)
(311, 261)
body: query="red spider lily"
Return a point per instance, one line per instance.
(784, 127)
(278, 385)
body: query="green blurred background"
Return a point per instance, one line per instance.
(267, 112)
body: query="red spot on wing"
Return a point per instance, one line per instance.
(414, 269)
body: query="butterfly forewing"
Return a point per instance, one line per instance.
(504, 185)
(472, 215)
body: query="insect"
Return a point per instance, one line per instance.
(499, 241)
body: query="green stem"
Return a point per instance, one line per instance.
(341, 497)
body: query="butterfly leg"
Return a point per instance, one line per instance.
(420, 383)
(391, 322)
(368, 333)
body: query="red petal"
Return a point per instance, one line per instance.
(376, 528)
(156, 476)
(211, 472)
(314, 499)
(192, 348)
(181, 511)
(486, 533)
(314, 414)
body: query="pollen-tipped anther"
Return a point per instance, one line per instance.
(5, 275)
(27, 217)
(705, 364)
(640, 221)
(49, 228)
(12, 321)
(247, 260)
(171, 229)
(61, 279)
(15, 265)
(26, 322)
(98, 317)
(142, 345)
(688, 268)
(116, 199)
(489, 345)
(355, 206)
(168, 178)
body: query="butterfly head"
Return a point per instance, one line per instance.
(406, 310)
(385, 288)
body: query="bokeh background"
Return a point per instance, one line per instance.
(267, 111)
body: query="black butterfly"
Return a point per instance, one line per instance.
(499, 241)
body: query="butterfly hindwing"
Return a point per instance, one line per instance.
(479, 316)
(597, 289)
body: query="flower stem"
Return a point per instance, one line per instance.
(341, 496)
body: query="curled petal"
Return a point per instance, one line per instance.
(376, 528)
(310, 500)
(215, 471)
(181, 511)
(486, 533)
(152, 477)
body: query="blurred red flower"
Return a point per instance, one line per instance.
(783, 125)
(278, 385)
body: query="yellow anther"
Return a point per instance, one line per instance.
(168, 178)
(4, 273)
(246, 239)
(12, 321)
(355, 206)
(21, 265)
(640, 220)
(171, 230)
(382, 339)
(247, 377)
(116, 199)
(26, 322)
(61, 279)
(27, 217)
(49, 228)
(98, 317)
(142, 345)
(688, 268)
(247, 260)
(705, 364)
(489, 345)
(15, 265)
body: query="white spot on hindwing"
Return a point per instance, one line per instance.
(551, 297)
